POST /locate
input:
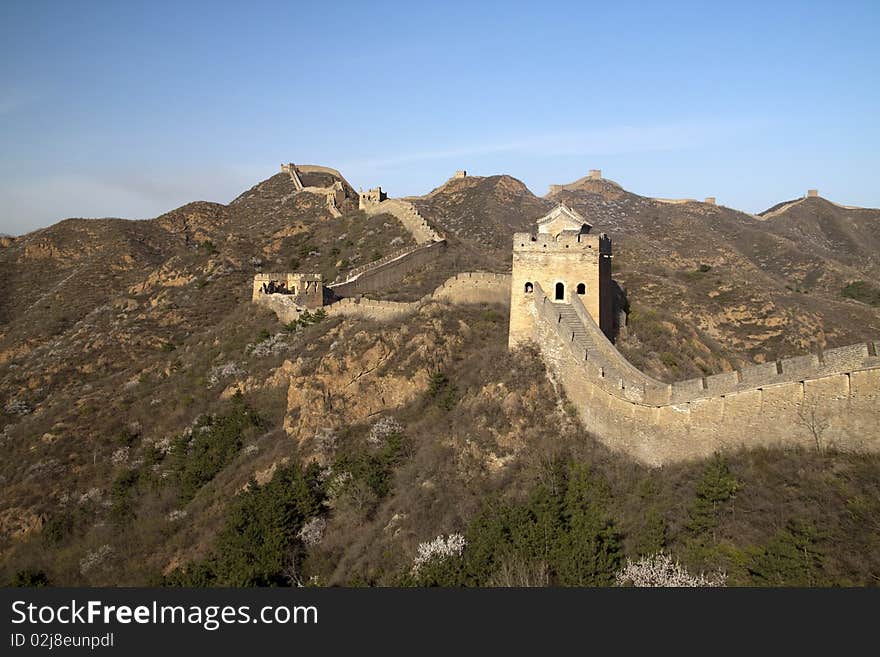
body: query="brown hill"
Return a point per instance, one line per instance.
(117, 337)
(483, 213)
(845, 234)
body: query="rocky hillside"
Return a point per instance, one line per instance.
(157, 427)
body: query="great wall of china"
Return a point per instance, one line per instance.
(468, 287)
(828, 399)
(392, 267)
(333, 194)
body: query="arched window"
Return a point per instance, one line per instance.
(529, 288)
(560, 291)
(581, 288)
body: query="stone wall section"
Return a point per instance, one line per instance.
(465, 288)
(786, 402)
(387, 271)
(333, 195)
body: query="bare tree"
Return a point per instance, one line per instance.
(515, 572)
(811, 418)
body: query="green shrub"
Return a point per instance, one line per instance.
(862, 291)
(215, 441)
(122, 510)
(791, 558)
(442, 391)
(30, 578)
(565, 535)
(58, 527)
(651, 537)
(715, 487)
(371, 472)
(258, 546)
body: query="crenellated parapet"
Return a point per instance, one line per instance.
(463, 288)
(303, 290)
(334, 194)
(832, 396)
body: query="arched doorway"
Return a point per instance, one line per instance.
(581, 289)
(529, 288)
(560, 292)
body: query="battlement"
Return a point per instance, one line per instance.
(592, 176)
(461, 173)
(305, 290)
(787, 370)
(659, 423)
(370, 197)
(352, 274)
(812, 193)
(594, 347)
(464, 288)
(564, 241)
(286, 276)
(314, 168)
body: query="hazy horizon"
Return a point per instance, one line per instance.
(131, 110)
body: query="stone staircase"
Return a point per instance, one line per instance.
(297, 183)
(575, 326)
(409, 216)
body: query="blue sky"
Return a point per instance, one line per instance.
(129, 110)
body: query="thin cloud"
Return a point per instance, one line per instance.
(26, 205)
(615, 140)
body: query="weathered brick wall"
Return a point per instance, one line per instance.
(768, 404)
(306, 289)
(387, 273)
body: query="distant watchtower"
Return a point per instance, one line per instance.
(372, 196)
(564, 259)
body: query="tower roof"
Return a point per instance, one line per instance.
(562, 219)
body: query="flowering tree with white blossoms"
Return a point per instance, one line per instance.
(662, 570)
(382, 429)
(440, 548)
(312, 532)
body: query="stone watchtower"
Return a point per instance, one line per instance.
(371, 197)
(564, 259)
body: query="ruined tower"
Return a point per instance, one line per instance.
(563, 259)
(370, 197)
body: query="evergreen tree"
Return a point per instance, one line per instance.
(716, 487)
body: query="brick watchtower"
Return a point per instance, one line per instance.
(564, 258)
